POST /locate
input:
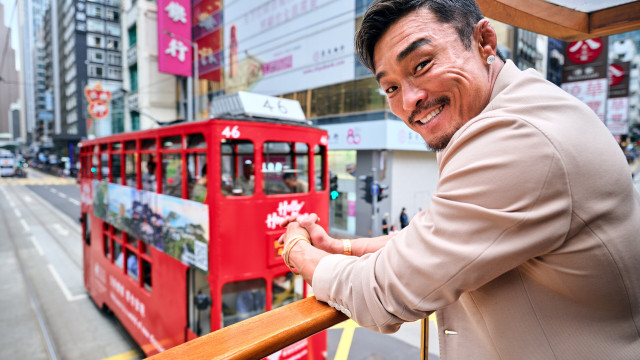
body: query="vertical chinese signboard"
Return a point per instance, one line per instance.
(175, 52)
(585, 73)
(207, 25)
(618, 102)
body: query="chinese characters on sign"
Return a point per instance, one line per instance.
(98, 100)
(618, 101)
(174, 37)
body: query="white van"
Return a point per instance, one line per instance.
(7, 163)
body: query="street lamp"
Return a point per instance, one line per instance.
(195, 101)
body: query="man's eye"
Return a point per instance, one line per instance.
(391, 89)
(422, 65)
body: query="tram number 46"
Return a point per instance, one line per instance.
(279, 106)
(231, 132)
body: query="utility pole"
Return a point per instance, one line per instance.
(375, 227)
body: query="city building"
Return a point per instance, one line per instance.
(84, 50)
(9, 78)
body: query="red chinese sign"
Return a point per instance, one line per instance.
(98, 101)
(584, 51)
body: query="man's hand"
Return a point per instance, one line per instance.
(319, 237)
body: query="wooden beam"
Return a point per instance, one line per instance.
(615, 20)
(259, 336)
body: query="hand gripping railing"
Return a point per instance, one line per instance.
(261, 335)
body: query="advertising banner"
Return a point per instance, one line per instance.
(175, 226)
(372, 135)
(175, 52)
(277, 47)
(618, 102)
(207, 25)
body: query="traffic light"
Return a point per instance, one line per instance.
(367, 184)
(383, 191)
(333, 186)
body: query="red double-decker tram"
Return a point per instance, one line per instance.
(180, 224)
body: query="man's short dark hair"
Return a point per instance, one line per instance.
(289, 175)
(462, 14)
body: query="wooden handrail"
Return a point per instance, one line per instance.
(261, 335)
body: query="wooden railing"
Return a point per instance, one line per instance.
(259, 336)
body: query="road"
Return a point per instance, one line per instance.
(47, 314)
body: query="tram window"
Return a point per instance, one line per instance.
(104, 147)
(197, 176)
(196, 141)
(132, 265)
(117, 254)
(104, 167)
(116, 146)
(130, 146)
(286, 289)
(172, 142)
(238, 169)
(131, 241)
(86, 220)
(130, 169)
(318, 165)
(148, 169)
(106, 247)
(242, 300)
(148, 144)
(172, 174)
(146, 275)
(116, 170)
(285, 170)
(94, 166)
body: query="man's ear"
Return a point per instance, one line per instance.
(486, 37)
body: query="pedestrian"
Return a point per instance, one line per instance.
(404, 219)
(526, 250)
(385, 224)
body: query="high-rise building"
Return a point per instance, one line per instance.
(84, 48)
(9, 78)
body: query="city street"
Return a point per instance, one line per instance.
(51, 316)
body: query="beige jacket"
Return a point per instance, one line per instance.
(530, 248)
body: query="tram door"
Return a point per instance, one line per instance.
(198, 302)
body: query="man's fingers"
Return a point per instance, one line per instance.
(307, 221)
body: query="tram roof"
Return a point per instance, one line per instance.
(567, 20)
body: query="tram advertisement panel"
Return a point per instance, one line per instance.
(178, 227)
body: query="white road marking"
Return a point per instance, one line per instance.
(27, 199)
(37, 246)
(74, 201)
(62, 195)
(24, 224)
(60, 229)
(63, 287)
(17, 212)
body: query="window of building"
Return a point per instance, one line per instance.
(95, 25)
(112, 14)
(95, 40)
(114, 73)
(114, 58)
(95, 10)
(133, 77)
(96, 70)
(113, 44)
(242, 300)
(96, 55)
(238, 168)
(133, 35)
(113, 29)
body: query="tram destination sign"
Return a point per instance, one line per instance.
(257, 105)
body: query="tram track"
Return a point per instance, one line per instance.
(33, 298)
(43, 223)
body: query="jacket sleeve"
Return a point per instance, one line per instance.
(502, 199)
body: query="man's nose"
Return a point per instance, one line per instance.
(412, 97)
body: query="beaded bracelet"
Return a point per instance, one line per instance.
(287, 249)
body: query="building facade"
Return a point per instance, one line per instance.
(9, 78)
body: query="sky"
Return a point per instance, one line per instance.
(8, 9)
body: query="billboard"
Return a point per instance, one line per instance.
(175, 52)
(278, 47)
(207, 28)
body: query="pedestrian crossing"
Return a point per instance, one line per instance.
(40, 181)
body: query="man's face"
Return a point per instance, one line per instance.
(433, 83)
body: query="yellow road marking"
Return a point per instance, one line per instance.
(131, 354)
(344, 346)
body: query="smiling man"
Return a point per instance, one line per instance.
(530, 246)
